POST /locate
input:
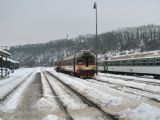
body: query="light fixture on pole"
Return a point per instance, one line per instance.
(95, 7)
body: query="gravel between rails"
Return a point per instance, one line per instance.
(60, 103)
(108, 116)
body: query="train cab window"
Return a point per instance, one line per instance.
(92, 61)
(79, 61)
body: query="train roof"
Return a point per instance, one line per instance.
(150, 54)
(79, 54)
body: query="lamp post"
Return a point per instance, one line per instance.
(95, 7)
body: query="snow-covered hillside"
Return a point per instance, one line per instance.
(117, 42)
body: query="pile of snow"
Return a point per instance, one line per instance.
(91, 93)
(142, 112)
(51, 117)
(89, 118)
(44, 104)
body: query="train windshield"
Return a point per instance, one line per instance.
(80, 61)
(91, 60)
(86, 60)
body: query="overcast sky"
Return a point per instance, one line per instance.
(36, 21)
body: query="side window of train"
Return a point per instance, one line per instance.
(138, 62)
(133, 62)
(144, 62)
(157, 61)
(150, 61)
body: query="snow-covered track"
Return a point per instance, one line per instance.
(155, 83)
(10, 81)
(14, 89)
(60, 103)
(128, 89)
(90, 103)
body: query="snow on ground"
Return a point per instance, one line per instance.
(89, 118)
(91, 93)
(148, 79)
(17, 74)
(143, 86)
(48, 100)
(9, 85)
(44, 104)
(69, 99)
(142, 112)
(14, 99)
(51, 117)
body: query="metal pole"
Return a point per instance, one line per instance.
(2, 66)
(6, 70)
(95, 7)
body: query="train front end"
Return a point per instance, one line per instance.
(85, 66)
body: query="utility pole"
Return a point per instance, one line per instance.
(95, 7)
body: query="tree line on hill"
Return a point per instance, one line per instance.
(142, 38)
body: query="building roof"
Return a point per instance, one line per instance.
(4, 53)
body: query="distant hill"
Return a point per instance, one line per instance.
(142, 38)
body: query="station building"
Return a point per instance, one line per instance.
(4, 56)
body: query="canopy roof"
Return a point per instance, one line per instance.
(4, 53)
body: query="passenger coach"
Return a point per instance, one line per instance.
(145, 63)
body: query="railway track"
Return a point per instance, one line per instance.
(107, 116)
(16, 87)
(135, 80)
(60, 103)
(5, 83)
(121, 87)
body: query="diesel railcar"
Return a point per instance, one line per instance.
(81, 64)
(145, 63)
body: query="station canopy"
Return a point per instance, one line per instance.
(4, 53)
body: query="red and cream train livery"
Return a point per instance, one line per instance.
(81, 64)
